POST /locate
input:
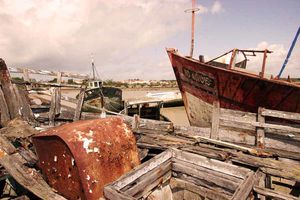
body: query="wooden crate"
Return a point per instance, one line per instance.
(176, 174)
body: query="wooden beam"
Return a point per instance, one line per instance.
(111, 193)
(25, 75)
(277, 129)
(211, 164)
(24, 107)
(243, 191)
(151, 186)
(214, 133)
(280, 114)
(209, 177)
(8, 91)
(6, 146)
(78, 109)
(142, 169)
(140, 184)
(4, 112)
(260, 137)
(273, 194)
(231, 145)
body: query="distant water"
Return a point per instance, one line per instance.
(176, 114)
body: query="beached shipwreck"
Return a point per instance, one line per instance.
(70, 154)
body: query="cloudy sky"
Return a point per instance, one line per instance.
(128, 37)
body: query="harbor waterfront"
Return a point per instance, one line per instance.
(177, 115)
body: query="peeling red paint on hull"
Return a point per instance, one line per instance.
(79, 158)
(202, 84)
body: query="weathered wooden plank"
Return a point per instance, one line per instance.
(216, 179)
(282, 144)
(151, 124)
(269, 166)
(273, 194)
(52, 111)
(242, 137)
(7, 88)
(237, 122)
(162, 192)
(201, 183)
(207, 151)
(233, 146)
(153, 185)
(214, 133)
(78, 109)
(28, 177)
(25, 75)
(211, 164)
(280, 114)
(204, 192)
(70, 99)
(290, 174)
(112, 194)
(260, 181)
(4, 112)
(24, 108)
(140, 184)
(243, 191)
(260, 138)
(6, 146)
(142, 169)
(248, 116)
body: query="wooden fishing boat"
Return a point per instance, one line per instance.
(227, 83)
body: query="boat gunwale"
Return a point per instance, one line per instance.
(281, 82)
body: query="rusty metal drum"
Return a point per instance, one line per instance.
(79, 158)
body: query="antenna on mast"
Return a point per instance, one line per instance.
(192, 10)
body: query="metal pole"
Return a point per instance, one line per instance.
(193, 28)
(289, 53)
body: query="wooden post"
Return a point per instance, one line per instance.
(125, 108)
(215, 121)
(3, 109)
(262, 73)
(260, 132)
(232, 58)
(58, 102)
(24, 108)
(8, 91)
(52, 108)
(135, 122)
(268, 184)
(26, 75)
(77, 114)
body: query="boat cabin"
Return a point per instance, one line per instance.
(92, 84)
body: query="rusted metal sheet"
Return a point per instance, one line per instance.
(79, 158)
(202, 83)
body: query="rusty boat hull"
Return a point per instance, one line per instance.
(201, 84)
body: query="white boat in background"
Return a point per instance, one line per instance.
(169, 99)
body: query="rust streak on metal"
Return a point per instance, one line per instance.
(86, 155)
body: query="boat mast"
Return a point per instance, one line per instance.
(193, 28)
(193, 10)
(289, 53)
(93, 68)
